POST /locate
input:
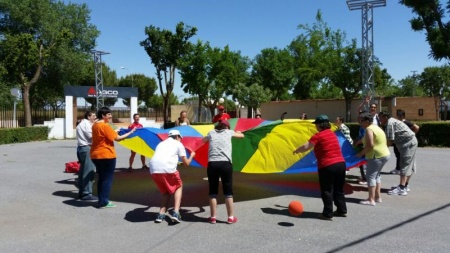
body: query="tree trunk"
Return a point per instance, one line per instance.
(199, 109)
(212, 108)
(26, 103)
(348, 109)
(27, 86)
(165, 108)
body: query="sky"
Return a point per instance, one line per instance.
(249, 26)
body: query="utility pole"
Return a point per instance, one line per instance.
(415, 80)
(366, 7)
(99, 77)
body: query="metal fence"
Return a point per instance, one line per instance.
(39, 116)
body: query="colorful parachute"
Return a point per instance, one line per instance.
(266, 148)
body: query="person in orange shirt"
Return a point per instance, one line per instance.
(222, 115)
(103, 154)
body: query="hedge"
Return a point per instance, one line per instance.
(23, 134)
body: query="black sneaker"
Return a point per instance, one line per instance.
(339, 214)
(89, 198)
(323, 217)
(176, 217)
(145, 167)
(160, 217)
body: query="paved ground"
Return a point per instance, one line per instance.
(38, 212)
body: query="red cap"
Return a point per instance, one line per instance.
(226, 123)
(221, 107)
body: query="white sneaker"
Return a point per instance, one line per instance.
(395, 172)
(406, 188)
(398, 191)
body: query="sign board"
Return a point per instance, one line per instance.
(108, 92)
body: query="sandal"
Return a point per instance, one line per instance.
(367, 203)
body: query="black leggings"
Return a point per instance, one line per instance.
(332, 180)
(224, 171)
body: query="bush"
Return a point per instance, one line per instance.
(23, 134)
(433, 134)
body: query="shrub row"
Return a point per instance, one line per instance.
(23, 134)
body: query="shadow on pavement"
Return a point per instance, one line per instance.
(137, 187)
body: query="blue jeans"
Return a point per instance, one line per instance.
(87, 171)
(105, 171)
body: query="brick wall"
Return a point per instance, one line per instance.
(336, 107)
(416, 106)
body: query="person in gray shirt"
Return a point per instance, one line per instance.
(399, 134)
(220, 167)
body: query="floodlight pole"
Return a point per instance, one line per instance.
(99, 77)
(132, 83)
(367, 70)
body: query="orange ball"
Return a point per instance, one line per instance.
(295, 208)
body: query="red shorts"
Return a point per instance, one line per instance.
(167, 183)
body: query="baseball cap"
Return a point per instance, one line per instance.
(221, 107)
(321, 119)
(175, 133)
(225, 122)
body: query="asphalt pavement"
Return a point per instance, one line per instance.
(39, 211)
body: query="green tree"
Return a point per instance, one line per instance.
(274, 69)
(194, 70)
(435, 81)
(384, 84)
(310, 56)
(409, 87)
(345, 69)
(147, 87)
(251, 95)
(430, 15)
(166, 49)
(155, 102)
(6, 99)
(211, 73)
(32, 31)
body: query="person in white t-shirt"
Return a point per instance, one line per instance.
(163, 167)
(87, 168)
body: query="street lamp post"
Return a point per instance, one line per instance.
(414, 79)
(132, 83)
(237, 109)
(16, 94)
(222, 101)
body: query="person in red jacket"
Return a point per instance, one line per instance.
(331, 168)
(222, 115)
